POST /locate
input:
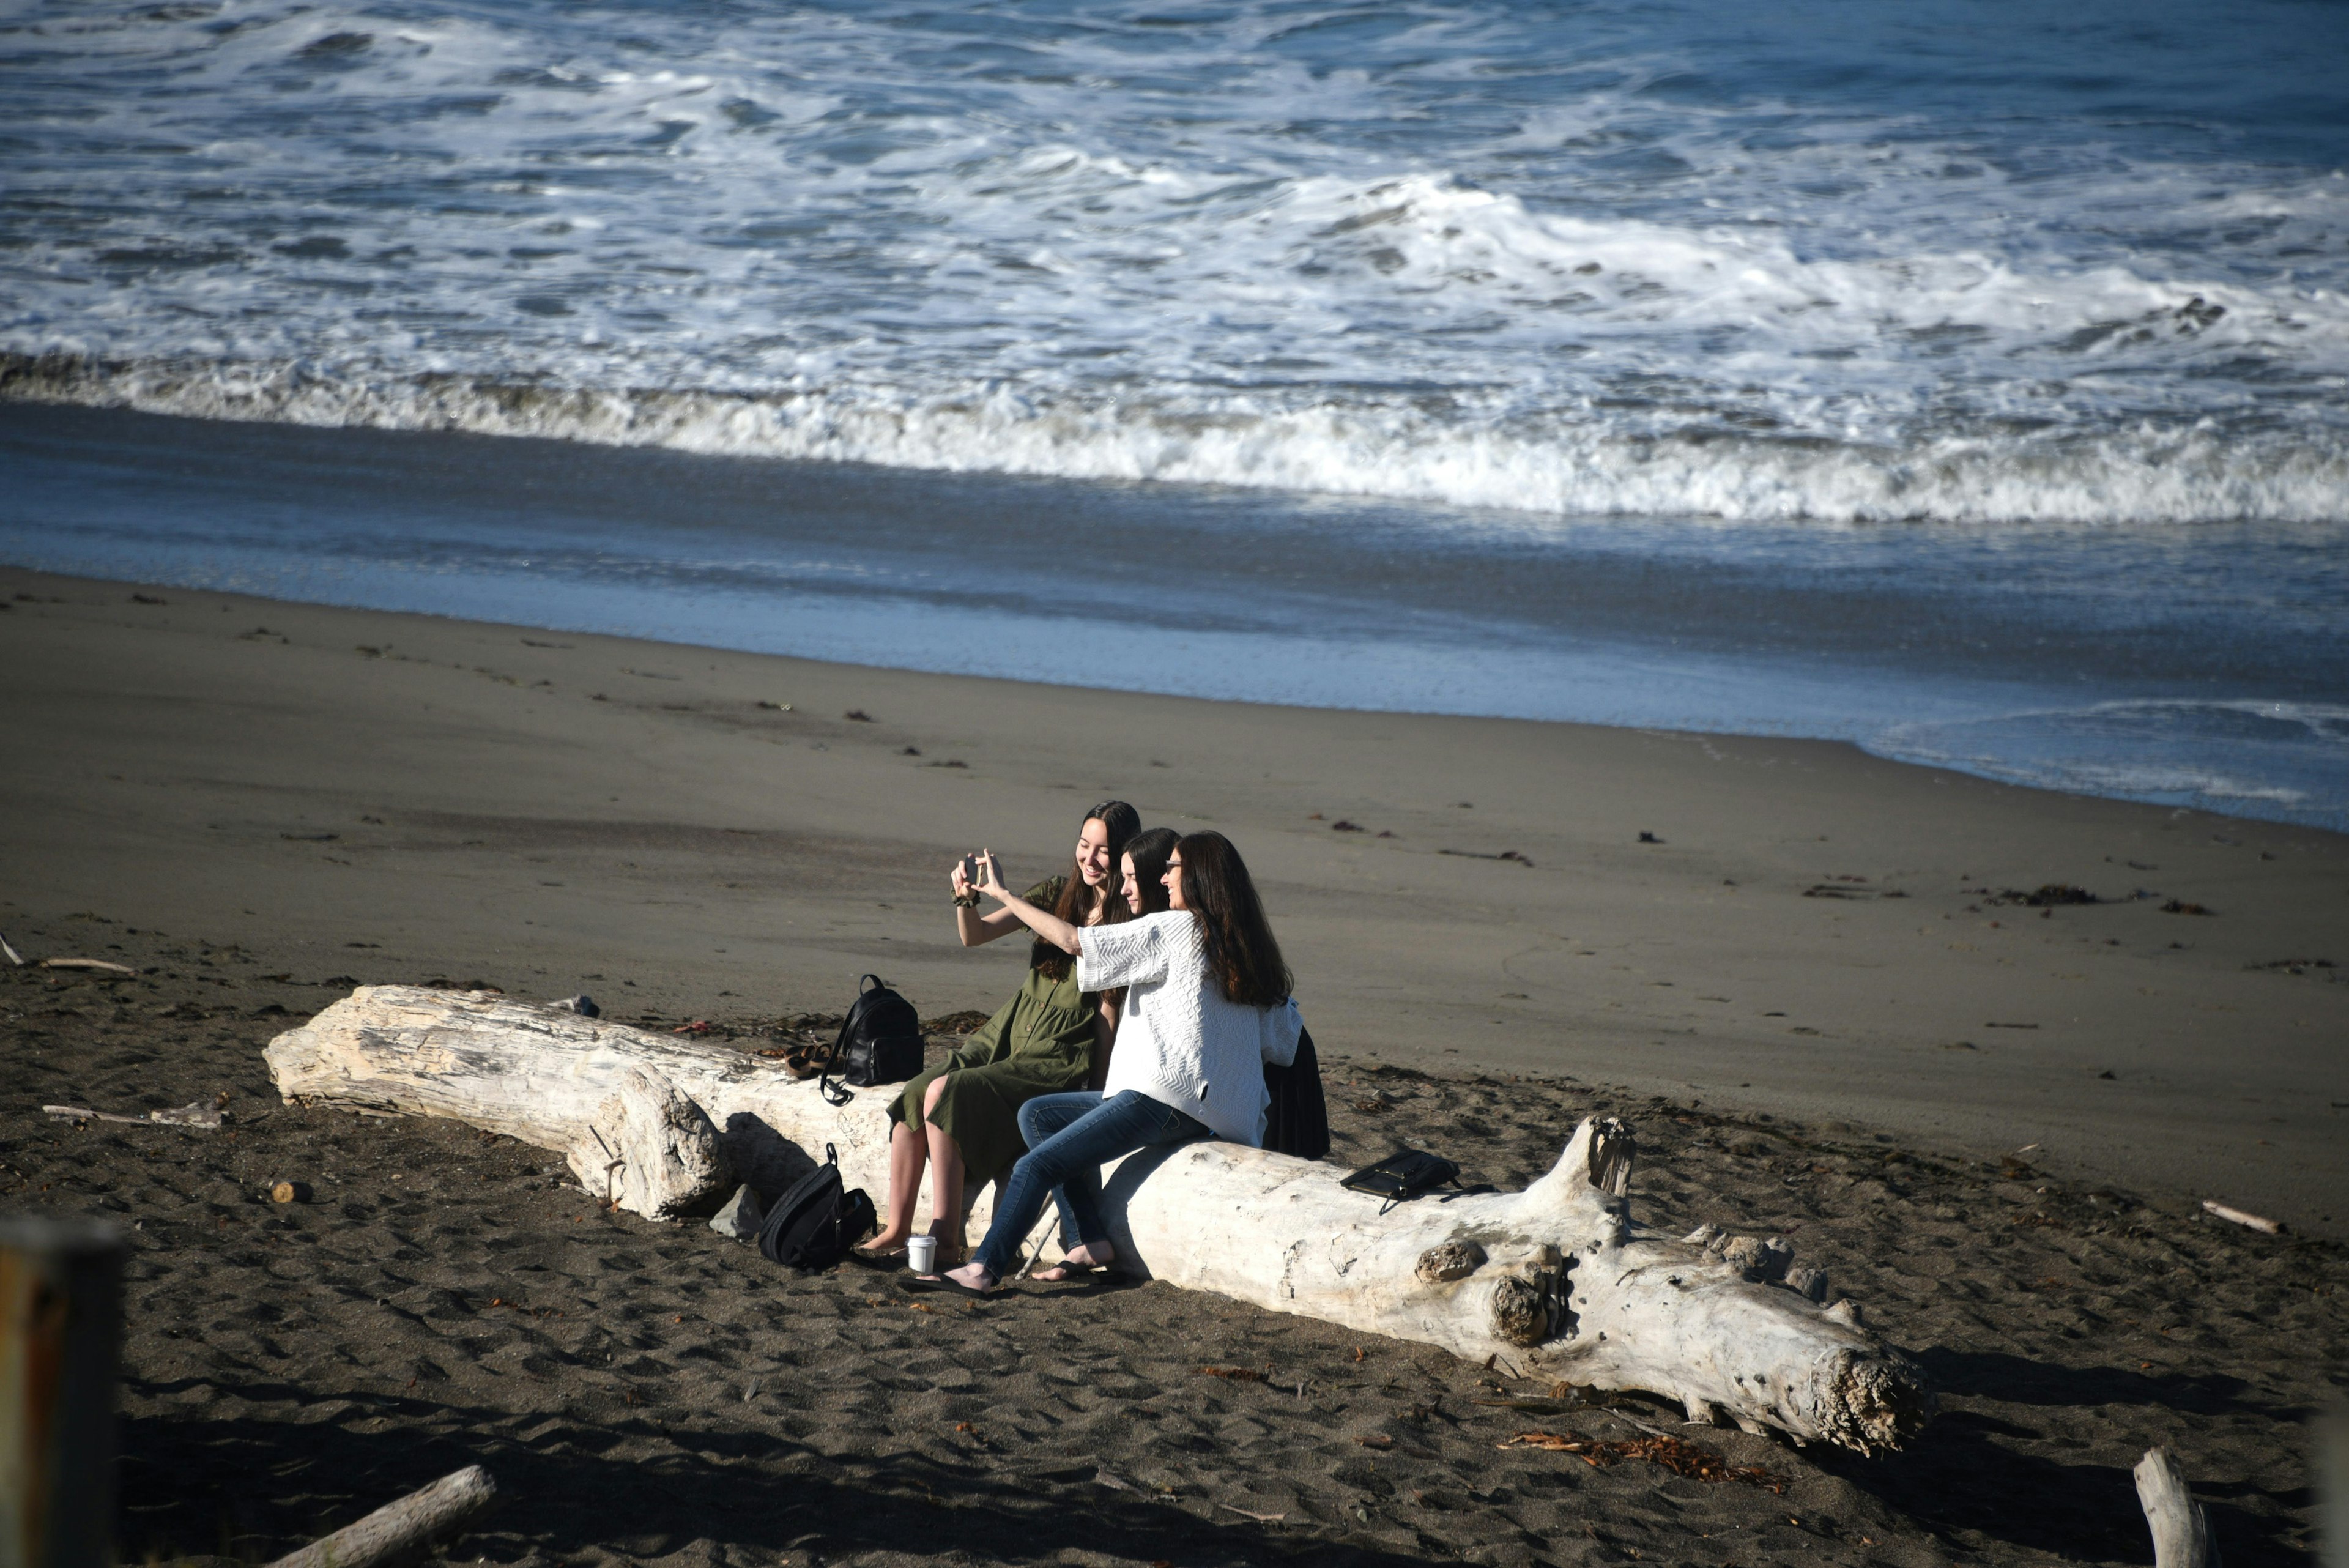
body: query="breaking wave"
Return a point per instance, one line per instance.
(1601, 259)
(1391, 448)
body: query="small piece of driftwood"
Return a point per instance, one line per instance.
(2181, 1531)
(2253, 1221)
(99, 965)
(195, 1114)
(10, 953)
(397, 1529)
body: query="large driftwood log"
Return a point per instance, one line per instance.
(1568, 1285)
(1557, 1279)
(548, 1077)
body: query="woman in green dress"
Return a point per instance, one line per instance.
(963, 1117)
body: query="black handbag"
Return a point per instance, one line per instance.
(879, 1041)
(1410, 1173)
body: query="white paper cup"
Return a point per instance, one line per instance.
(922, 1253)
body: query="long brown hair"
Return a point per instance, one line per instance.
(1121, 821)
(1241, 952)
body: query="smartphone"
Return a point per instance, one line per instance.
(970, 870)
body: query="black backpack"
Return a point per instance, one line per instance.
(813, 1225)
(880, 1040)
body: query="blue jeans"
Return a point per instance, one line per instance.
(1070, 1138)
(1040, 1119)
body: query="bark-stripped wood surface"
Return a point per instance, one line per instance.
(397, 1532)
(1557, 1279)
(2181, 1530)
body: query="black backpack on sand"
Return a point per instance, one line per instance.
(880, 1040)
(813, 1225)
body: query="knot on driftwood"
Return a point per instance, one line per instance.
(1756, 1259)
(1519, 1313)
(1451, 1260)
(1880, 1401)
(1530, 1306)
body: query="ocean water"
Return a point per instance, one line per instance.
(1971, 381)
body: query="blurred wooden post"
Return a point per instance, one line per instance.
(60, 1334)
(2332, 1488)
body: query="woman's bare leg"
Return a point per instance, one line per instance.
(946, 1181)
(906, 1150)
(945, 1195)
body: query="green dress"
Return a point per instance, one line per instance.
(1039, 1042)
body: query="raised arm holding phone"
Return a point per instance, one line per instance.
(960, 1119)
(1207, 1004)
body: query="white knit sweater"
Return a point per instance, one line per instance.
(1179, 1040)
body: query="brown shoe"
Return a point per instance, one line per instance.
(808, 1062)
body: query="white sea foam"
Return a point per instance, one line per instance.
(1455, 258)
(1386, 450)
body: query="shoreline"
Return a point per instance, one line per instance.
(562, 811)
(2157, 668)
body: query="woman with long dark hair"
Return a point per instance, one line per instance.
(1143, 882)
(1141, 870)
(962, 1117)
(1207, 1006)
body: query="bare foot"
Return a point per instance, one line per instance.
(1079, 1262)
(975, 1275)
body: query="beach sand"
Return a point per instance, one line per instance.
(258, 804)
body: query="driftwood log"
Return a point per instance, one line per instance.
(399, 1530)
(1557, 1280)
(2181, 1530)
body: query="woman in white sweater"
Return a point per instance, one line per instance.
(1207, 1006)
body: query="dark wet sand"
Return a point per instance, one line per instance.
(629, 819)
(647, 1393)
